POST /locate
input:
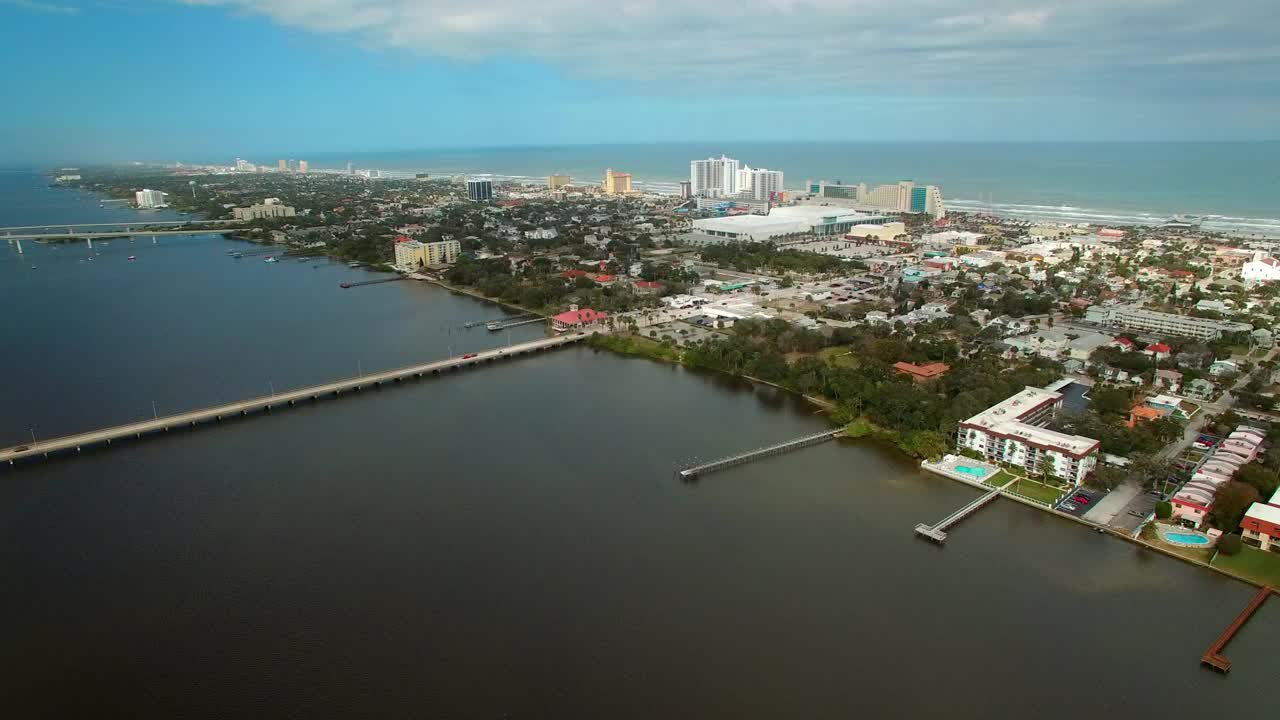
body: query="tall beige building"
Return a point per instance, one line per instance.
(302, 166)
(616, 183)
(282, 165)
(555, 182)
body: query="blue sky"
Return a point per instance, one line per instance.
(210, 79)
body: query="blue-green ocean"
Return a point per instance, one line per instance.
(1083, 182)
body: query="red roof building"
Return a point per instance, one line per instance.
(606, 279)
(1123, 343)
(573, 273)
(647, 287)
(576, 318)
(922, 373)
(403, 238)
(1158, 350)
(1261, 525)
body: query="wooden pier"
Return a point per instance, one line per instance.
(496, 325)
(1213, 656)
(938, 532)
(375, 281)
(692, 472)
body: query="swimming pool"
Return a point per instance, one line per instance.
(974, 471)
(1178, 538)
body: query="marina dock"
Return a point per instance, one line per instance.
(938, 531)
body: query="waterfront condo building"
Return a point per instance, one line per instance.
(413, 254)
(616, 183)
(302, 166)
(555, 182)
(760, 184)
(1261, 524)
(904, 197)
(149, 199)
(1013, 432)
(480, 190)
(270, 208)
(1136, 318)
(714, 177)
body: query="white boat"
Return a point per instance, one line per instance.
(270, 259)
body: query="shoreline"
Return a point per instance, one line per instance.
(1104, 529)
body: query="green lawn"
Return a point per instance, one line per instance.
(839, 356)
(1259, 565)
(999, 479)
(1029, 488)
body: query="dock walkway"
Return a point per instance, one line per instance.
(266, 402)
(693, 471)
(938, 531)
(1213, 656)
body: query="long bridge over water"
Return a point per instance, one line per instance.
(216, 413)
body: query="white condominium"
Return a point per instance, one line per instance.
(759, 183)
(714, 177)
(1139, 319)
(149, 199)
(1014, 432)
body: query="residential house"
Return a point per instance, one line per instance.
(922, 373)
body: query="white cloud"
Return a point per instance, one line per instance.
(905, 46)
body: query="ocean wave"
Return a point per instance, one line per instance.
(1100, 216)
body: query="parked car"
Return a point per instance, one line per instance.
(1082, 499)
(1069, 506)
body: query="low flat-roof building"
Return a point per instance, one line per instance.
(1261, 526)
(1014, 432)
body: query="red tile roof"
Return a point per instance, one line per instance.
(1158, 348)
(574, 273)
(921, 372)
(606, 278)
(580, 317)
(647, 284)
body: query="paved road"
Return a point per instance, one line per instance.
(217, 412)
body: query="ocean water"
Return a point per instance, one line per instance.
(1122, 183)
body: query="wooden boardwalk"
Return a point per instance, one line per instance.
(1213, 656)
(693, 471)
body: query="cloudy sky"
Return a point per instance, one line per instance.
(155, 79)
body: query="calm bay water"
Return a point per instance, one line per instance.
(509, 542)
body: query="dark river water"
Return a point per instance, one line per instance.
(509, 542)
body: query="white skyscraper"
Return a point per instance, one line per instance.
(714, 177)
(760, 183)
(149, 199)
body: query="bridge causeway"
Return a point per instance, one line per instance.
(693, 471)
(266, 402)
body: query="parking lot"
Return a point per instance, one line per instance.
(1071, 506)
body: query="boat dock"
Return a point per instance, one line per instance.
(1212, 657)
(503, 324)
(375, 281)
(938, 531)
(692, 472)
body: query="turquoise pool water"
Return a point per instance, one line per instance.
(974, 471)
(1178, 538)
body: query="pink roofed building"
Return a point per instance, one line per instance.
(575, 319)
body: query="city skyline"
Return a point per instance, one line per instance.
(311, 74)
